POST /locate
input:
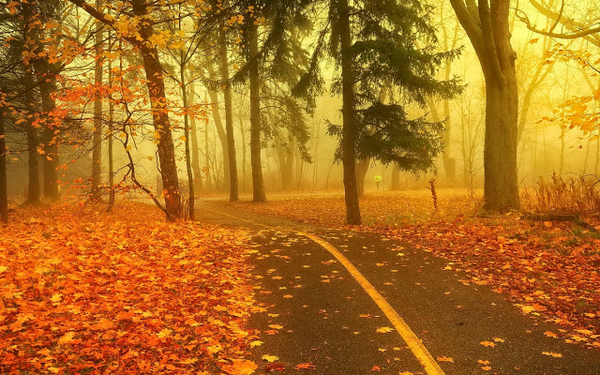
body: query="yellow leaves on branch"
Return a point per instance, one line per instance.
(122, 293)
(127, 26)
(239, 19)
(160, 38)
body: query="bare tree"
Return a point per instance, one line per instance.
(156, 86)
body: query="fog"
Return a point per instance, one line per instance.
(555, 135)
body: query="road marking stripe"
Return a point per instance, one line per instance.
(413, 342)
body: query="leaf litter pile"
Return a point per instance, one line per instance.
(548, 269)
(83, 291)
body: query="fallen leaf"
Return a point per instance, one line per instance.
(240, 367)
(67, 338)
(305, 366)
(57, 297)
(256, 343)
(275, 367)
(212, 349)
(384, 330)
(270, 358)
(552, 354)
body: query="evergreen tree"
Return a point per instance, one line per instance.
(376, 47)
(275, 53)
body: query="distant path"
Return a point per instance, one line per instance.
(347, 303)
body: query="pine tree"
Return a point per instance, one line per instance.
(275, 53)
(376, 47)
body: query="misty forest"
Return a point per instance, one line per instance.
(329, 186)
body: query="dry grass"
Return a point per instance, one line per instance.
(574, 195)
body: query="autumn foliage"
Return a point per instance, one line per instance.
(82, 291)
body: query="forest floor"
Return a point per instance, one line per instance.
(463, 286)
(548, 269)
(84, 291)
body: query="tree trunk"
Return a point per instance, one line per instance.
(3, 180)
(222, 133)
(348, 131)
(97, 139)
(111, 163)
(538, 77)
(158, 100)
(111, 113)
(501, 191)
(362, 167)
(160, 117)
(286, 162)
(395, 177)
(186, 129)
(562, 152)
(195, 145)
(50, 139)
(233, 178)
(207, 168)
(244, 153)
(449, 162)
(587, 154)
(33, 187)
(284, 176)
(258, 187)
(488, 30)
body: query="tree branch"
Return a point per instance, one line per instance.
(577, 30)
(104, 19)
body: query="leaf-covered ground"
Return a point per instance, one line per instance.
(86, 292)
(547, 269)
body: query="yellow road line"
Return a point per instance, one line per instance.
(413, 342)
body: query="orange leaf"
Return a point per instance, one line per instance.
(305, 366)
(240, 367)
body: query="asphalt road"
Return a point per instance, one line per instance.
(319, 319)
